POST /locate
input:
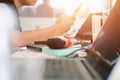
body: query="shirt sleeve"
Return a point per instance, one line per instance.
(8, 17)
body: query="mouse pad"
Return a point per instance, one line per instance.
(59, 52)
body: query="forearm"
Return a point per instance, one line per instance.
(62, 25)
(28, 37)
(44, 34)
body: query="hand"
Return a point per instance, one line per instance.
(64, 22)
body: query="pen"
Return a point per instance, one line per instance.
(33, 48)
(40, 42)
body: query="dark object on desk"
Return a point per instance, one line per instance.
(56, 43)
(37, 46)
(34, 48)
(40, 42)
(60, 42)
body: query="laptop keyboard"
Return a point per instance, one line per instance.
(63, 69)
(51, 69)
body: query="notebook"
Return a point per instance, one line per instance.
(96, 66)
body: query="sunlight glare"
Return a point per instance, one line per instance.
(68, 5)
(96, 5)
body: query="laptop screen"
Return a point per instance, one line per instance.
(108, 41)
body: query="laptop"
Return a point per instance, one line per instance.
(102, 57)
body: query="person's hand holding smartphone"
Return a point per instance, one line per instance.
(74, 15)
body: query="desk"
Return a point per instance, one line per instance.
(42, 51)
(50, 53)
(30, 54)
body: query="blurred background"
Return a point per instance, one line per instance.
(63, 6)
(45, 12)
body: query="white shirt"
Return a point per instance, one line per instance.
(8, 17)
(8, 21)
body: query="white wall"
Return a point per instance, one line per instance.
(33, 23)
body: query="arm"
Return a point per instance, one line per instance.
(62, 25)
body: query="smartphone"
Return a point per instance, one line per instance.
(75, 13)
(77, 10)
